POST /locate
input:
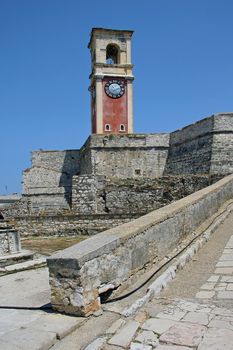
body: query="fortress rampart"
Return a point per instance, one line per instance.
(120, 177)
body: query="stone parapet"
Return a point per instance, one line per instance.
(127, 141)
(79, 274)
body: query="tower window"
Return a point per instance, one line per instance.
(122, 127)
(112, 54)
(107, 127)
(137, 171)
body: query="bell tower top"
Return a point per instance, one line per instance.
(110, 52)
(111, 81)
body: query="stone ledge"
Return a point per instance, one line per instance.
(113, 256)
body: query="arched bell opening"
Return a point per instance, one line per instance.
(112, 54)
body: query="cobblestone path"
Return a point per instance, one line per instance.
(220, 284)
(197, 322)
(194, 312)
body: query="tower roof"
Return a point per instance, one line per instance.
(109, 30)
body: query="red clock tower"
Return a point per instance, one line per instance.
(111, 81)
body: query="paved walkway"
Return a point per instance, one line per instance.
(220, 284)
(195, 311)
(22, 329)
(181, 325)
(199, 321)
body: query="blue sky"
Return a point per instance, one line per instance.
(183, 65)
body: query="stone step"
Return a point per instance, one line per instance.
(4, 225)
(14, 258)
(22, 266)
(7, 230)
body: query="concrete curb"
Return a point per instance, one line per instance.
(26, 265)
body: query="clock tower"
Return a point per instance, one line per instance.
(111, 81)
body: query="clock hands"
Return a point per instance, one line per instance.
(114, 89)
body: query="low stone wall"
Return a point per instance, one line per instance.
(99, 203)
(68, 225)
(81, 273)
(94, 194)
(9, 240)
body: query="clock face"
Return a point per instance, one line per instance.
(115, 88)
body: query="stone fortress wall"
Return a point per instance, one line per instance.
(48, 183)
(115, 178)
(202, 148)
(125, 156)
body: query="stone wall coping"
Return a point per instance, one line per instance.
(9, 197)
(203, 120)
(130, 141)
(108, 240)
(55, 151)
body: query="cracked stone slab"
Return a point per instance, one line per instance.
(216, 339)
(224, 271)
(227, 279)
(221, 311)
(213, 278)
(172, 347)
(115, 326)
(32, 339)
(208, 286)
(205, 295)
(125, 335)
(187, 305)
(225, 295)
(197, 317)
(138, 346)
(97, 344)
(158, 325)
(56, 323)
(172, 314)
(147, 337)
(185, 334)
(111, 347)
(228, 263)
(226, 257)
(6, 346)
(221, 324)
(14, 319)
